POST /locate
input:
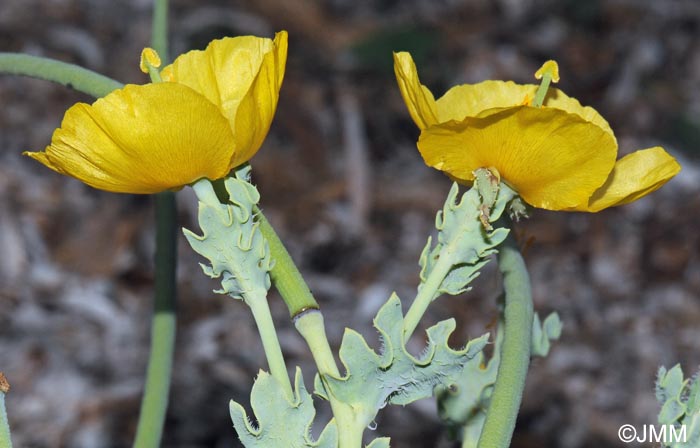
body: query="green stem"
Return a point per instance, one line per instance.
(5, 439)
(310, 326)
(271, 344)
(154, 404)
(515, 353)
(297, 295)
(309, 322)
(155, 399)
(426, 294)
(69, 75)
(285, 275)
(159, 29)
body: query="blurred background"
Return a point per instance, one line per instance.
(345, 187)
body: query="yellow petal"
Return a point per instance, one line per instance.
(418, 99)
(257, 108)
(142, 139)
(555, 160)
(470, 100)
(559, 100)
(633, 176)
(233, 71)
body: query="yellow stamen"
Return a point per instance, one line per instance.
(149, 63)
(550, 67)
(549, 72)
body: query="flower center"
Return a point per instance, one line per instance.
(548, 73)
(150, 61)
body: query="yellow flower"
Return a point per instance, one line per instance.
(211, 114)
(560, 156)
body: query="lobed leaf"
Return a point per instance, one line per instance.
(280, 423)
(394, 376)
(463, 239)
(231, 240)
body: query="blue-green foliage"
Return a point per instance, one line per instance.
(462, 405)
(239, 255)
(543, 333)
(280, 424)
(680, 404)
(394, 376)
(231, 240)
(462, 239)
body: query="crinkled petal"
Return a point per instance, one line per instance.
(142, 139)
(555, 160)
(559, 100)
(418, 99)
(470, 100)
(478, 100)
(257, 108)
(242, 76)
(633, 176)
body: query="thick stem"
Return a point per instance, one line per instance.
(285, 275)
(297, 295)
(515, 353)
(425, 296)
(155, 398)
(69, 75)
(271, 344)
(309, 322)
(5, 439)
(310, 326)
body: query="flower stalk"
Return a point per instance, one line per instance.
(271, 344)
(303, 308)
(155, 397)
(515, 353)
(426, 295)
(154, 403)
(69, 75)
(311, 327)
(309, 322)
(285, 275)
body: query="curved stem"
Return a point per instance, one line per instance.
(155, 398)
(271, 344)
(425, 296)
(310, 325)
(515, 353)
(308, 320)
(69, 75)
(285, 275)
(297, 295)
(5, 439)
